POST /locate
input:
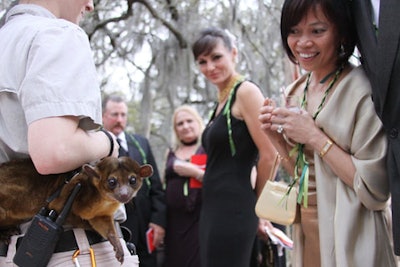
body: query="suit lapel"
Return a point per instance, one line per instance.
(133, 151)
(368, 43)
(364, 19)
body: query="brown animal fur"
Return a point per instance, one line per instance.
(112, 181)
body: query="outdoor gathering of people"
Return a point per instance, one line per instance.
(333, 131)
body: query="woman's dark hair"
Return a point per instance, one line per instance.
(337, 12)
(208, 40)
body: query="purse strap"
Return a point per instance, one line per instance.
(274, 167)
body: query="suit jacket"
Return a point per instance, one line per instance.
(381, 60)
(149, 204)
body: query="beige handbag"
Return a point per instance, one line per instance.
(274, 203)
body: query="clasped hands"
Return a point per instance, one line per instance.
(186, 169)
(296, 124)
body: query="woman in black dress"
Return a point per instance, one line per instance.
(234, 143)
(183, 190)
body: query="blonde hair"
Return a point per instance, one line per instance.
(196, 116)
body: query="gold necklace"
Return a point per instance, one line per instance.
(223, 94)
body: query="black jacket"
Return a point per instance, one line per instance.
(149, 204)
(380, 57)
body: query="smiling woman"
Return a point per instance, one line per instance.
(233, 141)
(183, 175)
(343, 204)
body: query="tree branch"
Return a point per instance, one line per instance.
(182, 41)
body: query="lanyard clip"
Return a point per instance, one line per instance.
(76, 254)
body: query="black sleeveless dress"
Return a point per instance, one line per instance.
(228, 223)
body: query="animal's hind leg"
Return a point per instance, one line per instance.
(6, 233)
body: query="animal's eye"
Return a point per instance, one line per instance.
(112, 182)
(132, 180)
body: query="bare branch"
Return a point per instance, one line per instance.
(182, 41)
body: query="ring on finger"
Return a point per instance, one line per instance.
(280, 129)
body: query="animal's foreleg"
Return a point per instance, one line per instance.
(105, 227)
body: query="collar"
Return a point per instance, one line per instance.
(375, 11)
(123, 141)
(30, 9)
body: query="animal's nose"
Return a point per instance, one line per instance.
(126, 194)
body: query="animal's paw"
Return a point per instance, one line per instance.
(119, 254)
(5, 234)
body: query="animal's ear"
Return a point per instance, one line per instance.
(90, 171)
(146, 170)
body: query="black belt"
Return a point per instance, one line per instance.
(67, 242)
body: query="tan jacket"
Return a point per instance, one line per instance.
(353, 223)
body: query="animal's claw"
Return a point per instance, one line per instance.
(120, 256)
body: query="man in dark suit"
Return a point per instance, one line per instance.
(378, 30)
(148, 209)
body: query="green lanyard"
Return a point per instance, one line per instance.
(186, 183)
(186, 188)
(139, 147)
(142, 154)
(301, 161)
(227, 113)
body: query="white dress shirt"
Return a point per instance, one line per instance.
(375, 6)
(122, 140)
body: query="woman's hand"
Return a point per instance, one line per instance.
(266, 114)
(261, 231)
(186, 169)
(296, 124)
(159, 234)
(265, 117)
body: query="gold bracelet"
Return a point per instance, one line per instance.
(326, 148)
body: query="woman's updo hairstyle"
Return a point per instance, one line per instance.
(208, 40)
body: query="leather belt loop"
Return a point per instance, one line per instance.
(81, 240)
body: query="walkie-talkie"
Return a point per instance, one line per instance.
(40, 240)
